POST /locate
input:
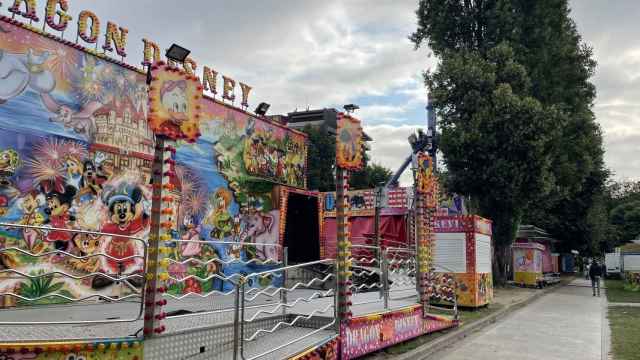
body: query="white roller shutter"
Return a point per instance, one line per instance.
(631, 262)
(450, 253)
(483, 253)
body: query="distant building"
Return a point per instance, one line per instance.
(123, 135)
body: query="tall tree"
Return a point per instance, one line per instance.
(548, 52)
(495, 137)
(322, 160)
(371, 176)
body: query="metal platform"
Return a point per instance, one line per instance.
(202, 315)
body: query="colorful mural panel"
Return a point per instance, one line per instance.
(251, 148)
(113, 350)
(76, 153)
(174, 101)
(426, 182)
(527, 263)
(349, 143)
(474, 289)
(370, 333)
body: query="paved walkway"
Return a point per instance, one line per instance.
(566, 324)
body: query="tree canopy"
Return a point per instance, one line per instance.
(513, 93)
(322, 160)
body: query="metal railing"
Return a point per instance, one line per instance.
(401, 272)
(40, 276)
(296, 304)
(220, 300)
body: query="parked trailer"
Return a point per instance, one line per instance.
(613, 262)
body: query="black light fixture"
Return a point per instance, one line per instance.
(262, 108)
(349, 108)
(177, 53)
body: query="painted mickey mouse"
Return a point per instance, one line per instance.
(127, 218)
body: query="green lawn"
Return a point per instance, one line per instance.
(616, 292)
(625, 332)
(467, 316)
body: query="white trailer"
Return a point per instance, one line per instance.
(613, 262)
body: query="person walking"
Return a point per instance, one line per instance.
(595, 271)
(586, 270)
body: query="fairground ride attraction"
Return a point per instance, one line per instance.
(143, 219)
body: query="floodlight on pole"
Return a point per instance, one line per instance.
(262, 109)
(349, 108)
(177, 53)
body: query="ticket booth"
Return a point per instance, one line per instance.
(527, 264)
(463, 250)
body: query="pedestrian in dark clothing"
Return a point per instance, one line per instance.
(595, 271)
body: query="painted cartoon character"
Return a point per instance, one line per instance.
(90, 183)
(86, 244)
(19, 71)
(219, 216)
(80, 121)
(58, 216)
(191, 227)
(126, 218)
(9, 162)
(73, 167)
(30, 205)
(260, 230)
(174, 98)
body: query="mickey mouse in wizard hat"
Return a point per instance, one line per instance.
(126, 218)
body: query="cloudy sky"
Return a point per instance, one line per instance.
(303, 53)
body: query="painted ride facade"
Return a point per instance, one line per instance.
(142, 219)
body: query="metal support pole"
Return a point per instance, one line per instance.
(159, 231)
(236, 324)
(336, 289)
(283, 294)
(242, 292)
(385, 277)
(381, 261)
(343, 257)
(455, 302)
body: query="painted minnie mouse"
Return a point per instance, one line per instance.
(59, 198)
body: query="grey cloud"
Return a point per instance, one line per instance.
(321, 53)
(390, 147)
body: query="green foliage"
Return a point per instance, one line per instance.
(626, 217)
(519, 133)
(322, 159)
(42, 286)
(495, 137)
(368, 178)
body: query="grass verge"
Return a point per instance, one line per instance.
(616, 292)
(625, 332)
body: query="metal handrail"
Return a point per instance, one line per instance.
(280, 307)
(267, 272)
(138, 294)
(78, 231)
